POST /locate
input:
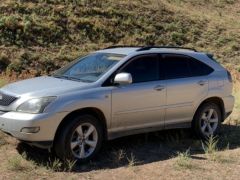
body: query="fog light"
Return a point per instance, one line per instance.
(30, 129)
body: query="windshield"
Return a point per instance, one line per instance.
(89, 68)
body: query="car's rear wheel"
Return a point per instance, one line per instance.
(207, 120)
(80, 140)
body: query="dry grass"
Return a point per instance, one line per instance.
(2, 139)
(17, 163)
(2, 82)
(206, 25)
(184, 160)
(37, 37)
(153, 159)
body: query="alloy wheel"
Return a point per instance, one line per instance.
(209, 122)
(84, 141)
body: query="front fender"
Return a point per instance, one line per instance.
(99, 98)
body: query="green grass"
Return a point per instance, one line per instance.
(2, 82)
(210, 145)
(40, 36)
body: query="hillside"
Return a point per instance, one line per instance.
(39, 36)
(36, 37)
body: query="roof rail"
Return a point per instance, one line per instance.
(123, 46)
(168, 47)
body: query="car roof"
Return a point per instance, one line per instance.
(140, 50)
(124, 51)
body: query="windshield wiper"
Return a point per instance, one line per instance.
(70, 78)
(60, 76)
(85, 80)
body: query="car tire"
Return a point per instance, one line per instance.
(207, 120)
(80, 140)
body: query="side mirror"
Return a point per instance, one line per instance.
(123, 79)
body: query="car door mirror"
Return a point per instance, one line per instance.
(123, 79)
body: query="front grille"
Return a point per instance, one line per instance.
(6, 100)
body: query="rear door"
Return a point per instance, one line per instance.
(187, 82)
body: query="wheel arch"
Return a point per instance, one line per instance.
(218, 101)
(97, 113)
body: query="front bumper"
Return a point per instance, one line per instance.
(13, 122)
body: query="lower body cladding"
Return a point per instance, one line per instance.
(35, 129)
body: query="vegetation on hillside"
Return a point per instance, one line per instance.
(39, 36)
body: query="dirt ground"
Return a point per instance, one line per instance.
(146, 156)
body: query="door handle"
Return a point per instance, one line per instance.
(202, 83)
(159, 88)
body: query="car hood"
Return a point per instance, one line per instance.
(43, 86)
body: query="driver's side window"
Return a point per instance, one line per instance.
(143, 69)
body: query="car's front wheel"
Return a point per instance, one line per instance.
(80, 140)
(207, 120)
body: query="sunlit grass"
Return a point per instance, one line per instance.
(2, 82)
(237, 99)
(184, 160)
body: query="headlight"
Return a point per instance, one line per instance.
(35, 106)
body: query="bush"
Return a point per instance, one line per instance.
(4, 62)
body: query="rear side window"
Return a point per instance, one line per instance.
(176, 66)
(180, 66)
(143, 69)
(199, 68)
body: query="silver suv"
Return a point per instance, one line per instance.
(116, 92)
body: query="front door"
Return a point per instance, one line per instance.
(142, 103)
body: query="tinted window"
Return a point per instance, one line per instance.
(143, 69)
(198, 68)
(176, 66)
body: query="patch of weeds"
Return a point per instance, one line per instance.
(221, 157)
(16, 163)
(178, 37)
(227, 147)
(69, 165)
(132, 161)
(54, 165)
(2, 140)
(57, 165)
(238, 69)
(118, 156)
(210, 147)
(184, 160)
